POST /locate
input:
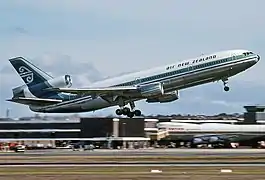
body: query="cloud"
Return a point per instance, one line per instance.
(20, 30)
(60, 64)
(225, 103)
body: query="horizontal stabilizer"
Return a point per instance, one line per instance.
(35, 101)
(100, 90)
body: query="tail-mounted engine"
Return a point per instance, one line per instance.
(60, 82)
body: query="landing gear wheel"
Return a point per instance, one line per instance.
(226, 88)
(119, 112)
(225, 81)
(125, 111)
(130, 114)
(137, 113)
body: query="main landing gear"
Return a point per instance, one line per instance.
(128, 112)
(225, 81)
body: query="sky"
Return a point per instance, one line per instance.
(91, 40)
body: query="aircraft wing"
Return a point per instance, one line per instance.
(118, 90)
(34, 101)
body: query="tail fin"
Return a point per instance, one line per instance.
(29, 73)
(37, 81)
(34, 78)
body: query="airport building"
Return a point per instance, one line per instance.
(254, 115)
(83, 128)
(88, 127)
(39, 129)
(121, 132)
(110, 131)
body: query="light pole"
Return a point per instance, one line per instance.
(123, 129)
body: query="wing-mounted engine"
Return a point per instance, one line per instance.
(151, 90)
(165, 98)
(209, 139)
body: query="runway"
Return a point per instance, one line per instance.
(177, 164)
(142, 152)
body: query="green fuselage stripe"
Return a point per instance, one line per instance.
(187, 69)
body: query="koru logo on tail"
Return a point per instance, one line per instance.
(26, 74)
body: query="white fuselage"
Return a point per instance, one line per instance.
(211, 128)
(174, 77)
(213, 132)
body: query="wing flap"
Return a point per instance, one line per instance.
(100, 90)
(34, 101)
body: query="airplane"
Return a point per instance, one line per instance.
(217, 134)
(46, 94)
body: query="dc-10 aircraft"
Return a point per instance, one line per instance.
(43, 93)
(220, 134)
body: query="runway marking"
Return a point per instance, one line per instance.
(137, 165)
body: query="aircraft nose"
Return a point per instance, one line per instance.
(258, 57)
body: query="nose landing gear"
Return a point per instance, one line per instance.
(226, 87)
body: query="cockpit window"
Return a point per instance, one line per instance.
(248, 53)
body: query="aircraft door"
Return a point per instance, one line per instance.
(137, 80)
(233, 56)
(190, 66)
(230, 70)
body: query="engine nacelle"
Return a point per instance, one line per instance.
(198, 141)
(208, 140)
(151, 90)
(60, 82)
(165, 98)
